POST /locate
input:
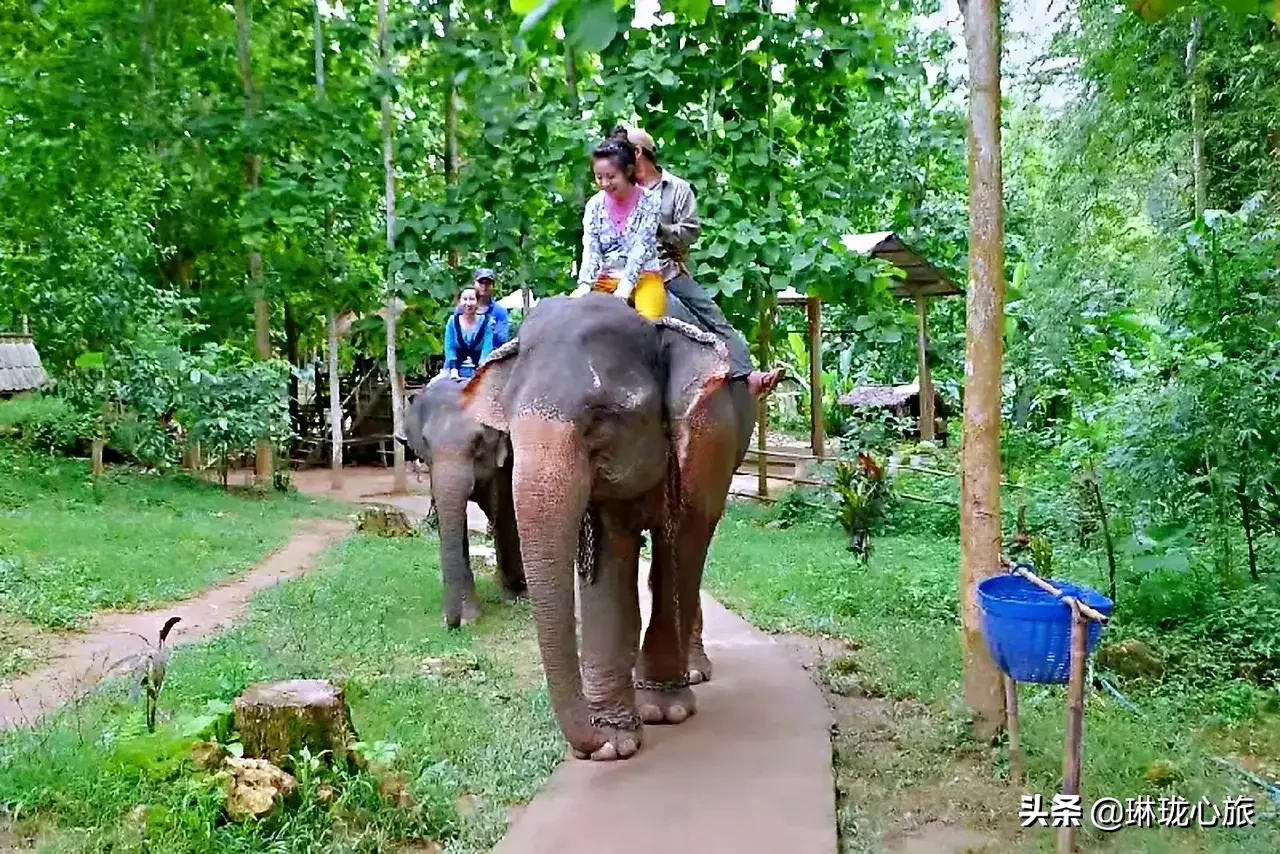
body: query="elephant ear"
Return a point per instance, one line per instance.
(697, 365)
(484, 394)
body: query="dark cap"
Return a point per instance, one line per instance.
(484, 273)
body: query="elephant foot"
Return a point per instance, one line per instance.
(699, 668)
(611, 736)
(660, 703)
(468, 614)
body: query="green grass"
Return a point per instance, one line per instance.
(71, 546)
(368, 619)
(899, 614)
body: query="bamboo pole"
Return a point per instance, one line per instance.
(1075, 719)
(1016, 768)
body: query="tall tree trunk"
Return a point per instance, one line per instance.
(317, 43)
(451, 159)
(980, 449)
(253, 168)
(579, 185)
(1198, 168)
(291, 351)
(335, 406)
(146, 46)
(335, 383)
(400, 482)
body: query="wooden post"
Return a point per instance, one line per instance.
(813, 312)
(1015, 730)
(1075, 719)
(926, 380)
(762, 403)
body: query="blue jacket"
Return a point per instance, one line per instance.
(499, 320)
(466, 353)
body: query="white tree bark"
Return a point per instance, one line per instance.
(400, 483)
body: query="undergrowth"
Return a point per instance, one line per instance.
(458, 737)
(899, 613)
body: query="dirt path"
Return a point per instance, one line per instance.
(750, 772)
(85, 657)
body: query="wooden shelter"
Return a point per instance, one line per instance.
(922, 281)
(20, 367)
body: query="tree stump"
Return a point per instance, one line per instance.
(277, 719)
(385, 521)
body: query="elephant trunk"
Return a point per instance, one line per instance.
(451, 484)
(551, 486)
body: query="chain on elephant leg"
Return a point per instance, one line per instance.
(589, 545)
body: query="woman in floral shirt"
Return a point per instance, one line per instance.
(620, 233)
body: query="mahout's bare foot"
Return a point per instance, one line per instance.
(761, 383)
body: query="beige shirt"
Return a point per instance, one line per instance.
(679, 226)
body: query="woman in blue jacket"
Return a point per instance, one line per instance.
(468, 337)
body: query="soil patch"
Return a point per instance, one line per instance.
(24, 646)
(84, 658)
(905, 782)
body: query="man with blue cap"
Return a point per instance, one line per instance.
(483, 281)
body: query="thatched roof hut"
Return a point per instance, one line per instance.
(902, 400)
(20, 368)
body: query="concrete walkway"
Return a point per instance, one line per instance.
(750, 772)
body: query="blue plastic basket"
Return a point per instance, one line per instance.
(1028, 630)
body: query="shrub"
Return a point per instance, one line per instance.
(44, 422)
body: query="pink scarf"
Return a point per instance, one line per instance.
(619, 211)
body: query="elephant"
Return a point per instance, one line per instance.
(617, 425)
(467, 461)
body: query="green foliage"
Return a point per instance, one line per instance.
(862, 490)
(44, 422)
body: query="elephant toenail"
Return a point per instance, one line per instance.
(627, 748)
(650, 714)
(677, 714)
(608, 753)
(696, 677)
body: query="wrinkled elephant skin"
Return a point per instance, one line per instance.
(468, 462)
(617, 426)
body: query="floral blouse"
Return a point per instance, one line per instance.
(623, 254)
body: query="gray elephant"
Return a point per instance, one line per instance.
(468, 462)
(617, 426)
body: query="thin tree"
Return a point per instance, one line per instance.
(451, 160)
(253, 169)
(335, 390)
(400, 482)
(984, 354)
(1198, 168)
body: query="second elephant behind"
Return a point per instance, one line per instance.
(468, 462)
